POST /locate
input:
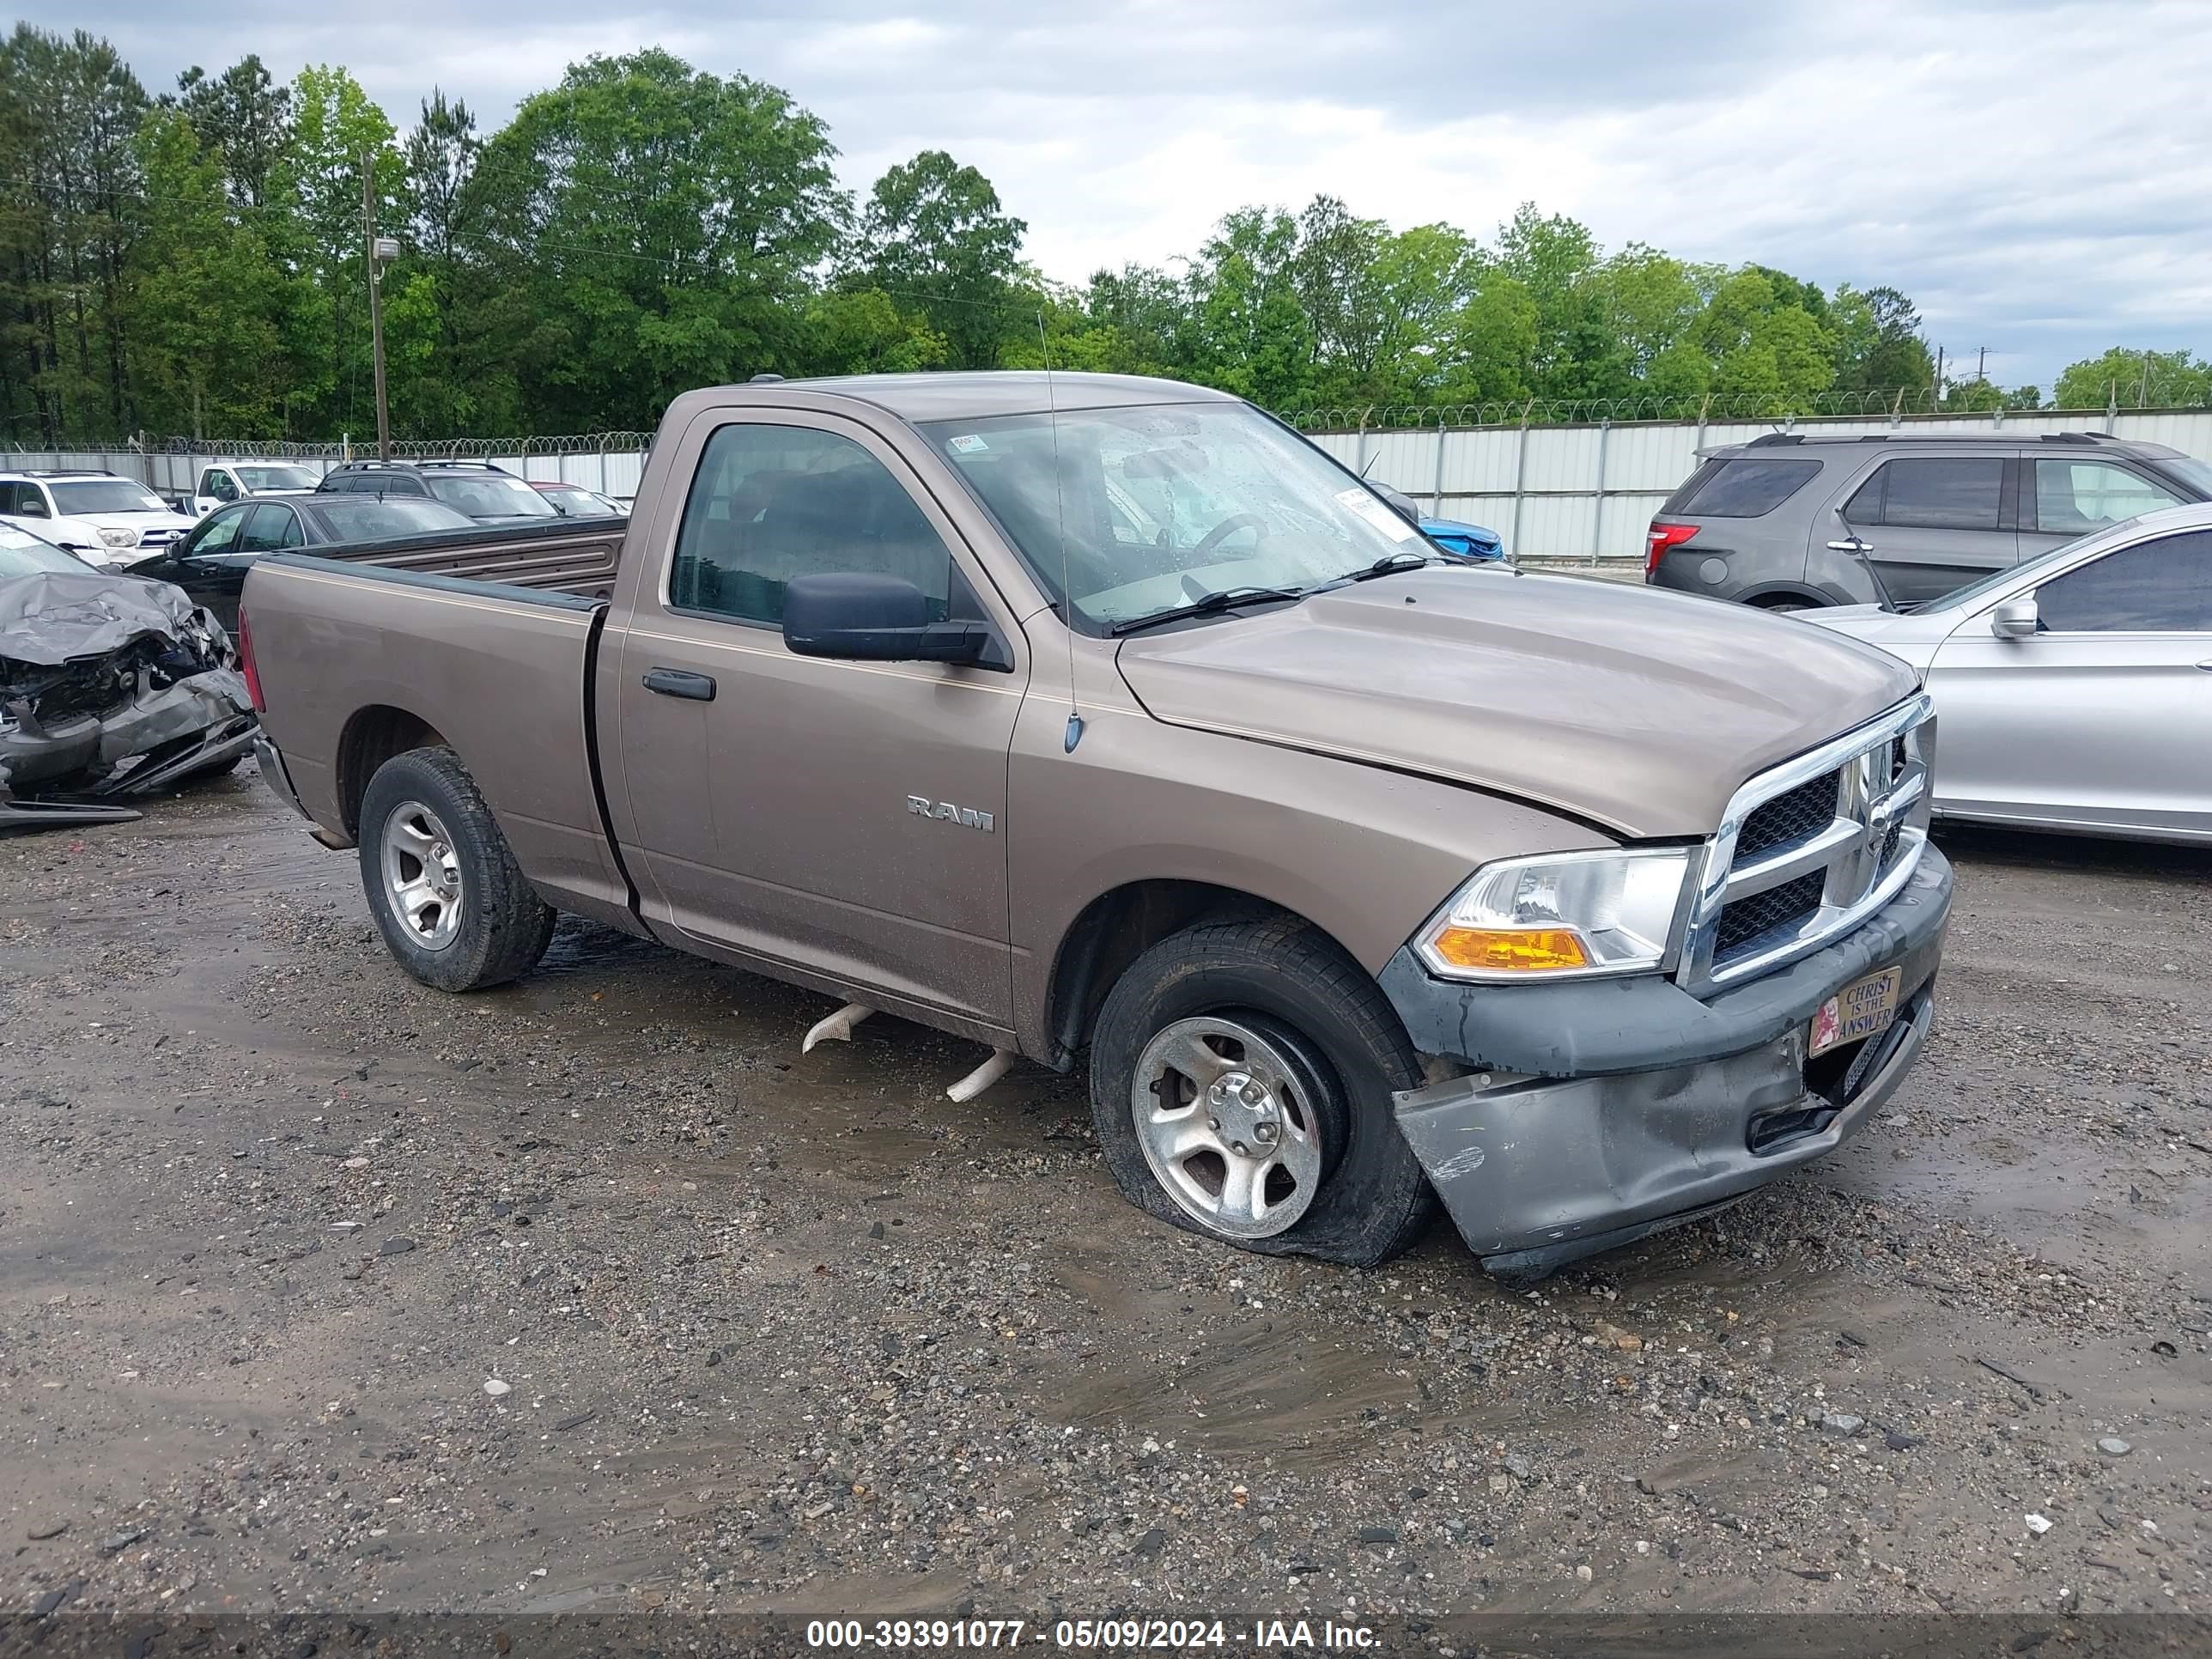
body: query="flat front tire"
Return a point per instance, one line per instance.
(454, 908)
(1241, 1076)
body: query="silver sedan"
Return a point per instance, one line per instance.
(2074, 691)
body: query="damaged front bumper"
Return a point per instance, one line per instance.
(110, 688)
(1604, 1111)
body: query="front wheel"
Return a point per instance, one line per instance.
(454, 908)
(1241, 1076)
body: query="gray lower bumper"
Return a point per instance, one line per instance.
(1540, 1170)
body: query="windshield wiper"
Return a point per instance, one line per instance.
(1220, 599)
(1390, 565)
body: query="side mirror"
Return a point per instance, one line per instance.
(870, 618)
(2015, 619)
(1399, 503)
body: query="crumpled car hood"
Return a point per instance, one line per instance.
(110, 686)
(1636, 709)
(55, 616)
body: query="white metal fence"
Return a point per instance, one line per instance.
(1589, 491)
(1579, 491)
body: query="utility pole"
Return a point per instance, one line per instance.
(1939, 377)
(373, 246)
(1981, 362)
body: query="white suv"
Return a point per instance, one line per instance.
(102, 518)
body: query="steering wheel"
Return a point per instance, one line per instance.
(1228, 527)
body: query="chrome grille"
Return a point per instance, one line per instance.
(1808, 850)
(1790, 817)
(1745, 921)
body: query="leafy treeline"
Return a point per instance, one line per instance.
(195, 262)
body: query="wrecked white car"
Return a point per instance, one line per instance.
(111, 687)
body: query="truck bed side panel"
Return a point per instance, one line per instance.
(497, 673)
(578, 557)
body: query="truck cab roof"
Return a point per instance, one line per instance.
(957, 396)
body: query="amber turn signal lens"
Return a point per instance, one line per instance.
(1526, 950)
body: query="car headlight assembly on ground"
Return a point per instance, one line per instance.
(1564, 915)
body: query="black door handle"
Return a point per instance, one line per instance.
(680, 683)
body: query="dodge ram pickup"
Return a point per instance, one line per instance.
(1107, 721)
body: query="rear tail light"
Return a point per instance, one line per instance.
(1660, 538)
(245, 664)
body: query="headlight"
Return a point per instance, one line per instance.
(120, 537)
(1567, 914)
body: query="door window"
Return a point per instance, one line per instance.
(218, 532)
(270, 527)
(26, 502)
(2075, 497)
(1948, 492)
(216, 482)
(773, 502)
(2163, 586)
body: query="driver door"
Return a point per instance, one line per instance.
(2103, 718)
(772, 795)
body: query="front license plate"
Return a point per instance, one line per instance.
(1859, 1010)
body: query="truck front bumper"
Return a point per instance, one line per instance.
(1601, 1112)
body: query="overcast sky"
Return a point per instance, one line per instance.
(2038, 176)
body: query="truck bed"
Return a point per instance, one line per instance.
(569, 555)
(389, 646)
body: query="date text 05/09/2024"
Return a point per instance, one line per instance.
(1092, 1635)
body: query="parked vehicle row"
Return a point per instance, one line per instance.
(2054, 593)
(1104, 721)
(1789, 521)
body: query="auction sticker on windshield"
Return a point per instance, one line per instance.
(1859, 1010)
(1376, 512)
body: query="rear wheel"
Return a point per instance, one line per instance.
(454, 908)
(1241, 1075)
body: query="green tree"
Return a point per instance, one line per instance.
(862, 331)
(1878, 343)
(69, 109)
(243, 116)
(336, 131)
(2135, 380)
(652, 228)
(201, 293)
(934, 235)
(1764, 344)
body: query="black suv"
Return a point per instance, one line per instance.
(487, 493)
(1791, 520)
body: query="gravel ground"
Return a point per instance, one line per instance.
(319, 1290)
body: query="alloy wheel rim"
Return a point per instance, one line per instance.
(1226, 1127)
(422, 875)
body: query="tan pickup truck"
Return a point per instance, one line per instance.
(1107, 720)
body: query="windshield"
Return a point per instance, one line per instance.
(366, 517)
(104, 495)
(489, 495)
(1165, 504)
(26, 556)
(260, 478)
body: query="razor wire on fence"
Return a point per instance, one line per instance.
(1893, 403)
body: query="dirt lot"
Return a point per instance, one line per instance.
(320, 1290)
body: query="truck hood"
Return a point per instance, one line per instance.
(1626, 707)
